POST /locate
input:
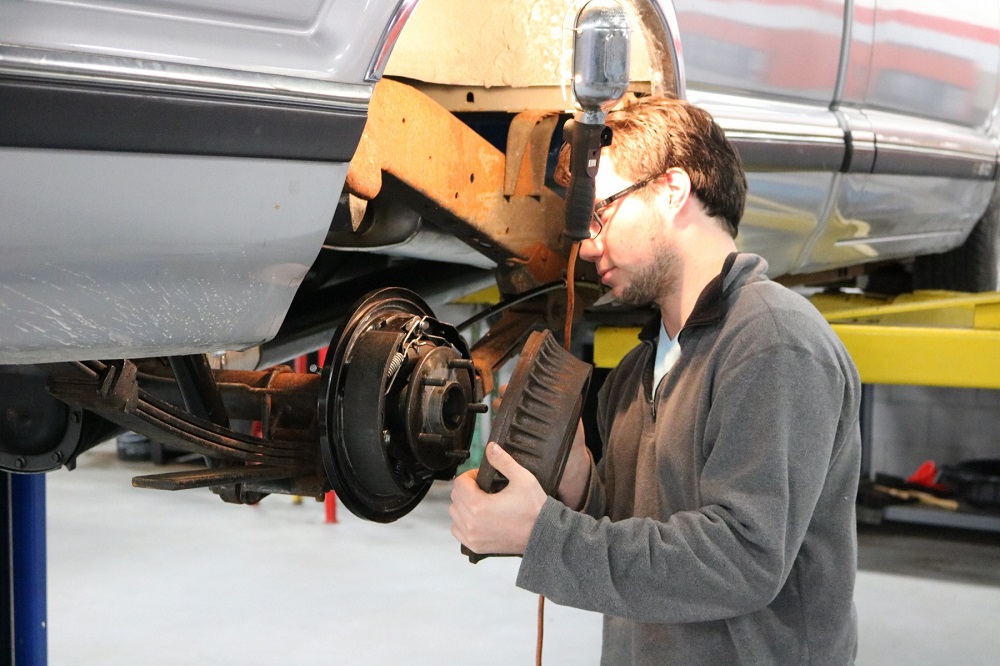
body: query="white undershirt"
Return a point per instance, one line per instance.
(667, 353)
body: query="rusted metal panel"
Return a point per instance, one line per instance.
(528, 140)
(454, 177)
(500, 343)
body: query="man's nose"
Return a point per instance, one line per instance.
(591, 249)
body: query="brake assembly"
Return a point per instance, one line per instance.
(397, 405)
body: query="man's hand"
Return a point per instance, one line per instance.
(575, 481)
(500, 523)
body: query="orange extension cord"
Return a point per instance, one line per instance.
(567, 337)
(570, 293)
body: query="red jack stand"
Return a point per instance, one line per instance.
(331, 506)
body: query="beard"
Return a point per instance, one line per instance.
(654, 281)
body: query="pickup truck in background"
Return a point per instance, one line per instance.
(194, 193)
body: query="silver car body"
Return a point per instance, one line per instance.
(868, 128)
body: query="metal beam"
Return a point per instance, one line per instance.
(923, 356)
(927, 338)
(455, 178)
(24, 611)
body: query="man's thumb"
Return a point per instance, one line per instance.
(503, 462)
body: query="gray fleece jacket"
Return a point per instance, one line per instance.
(719, 526)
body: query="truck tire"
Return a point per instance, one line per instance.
(974, 266)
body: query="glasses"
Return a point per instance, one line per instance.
(596, 226)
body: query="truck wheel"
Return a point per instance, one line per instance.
(973, 266)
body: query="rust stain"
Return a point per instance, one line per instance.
(458, 173)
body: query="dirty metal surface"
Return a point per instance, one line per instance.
(397, 405)
(454, 177)
(112, 390)
(204, 478)
(528, 140)
(500, 343)
(539, 413)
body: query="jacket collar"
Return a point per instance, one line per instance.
(711, 304)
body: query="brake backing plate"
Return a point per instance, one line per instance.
(397, 405)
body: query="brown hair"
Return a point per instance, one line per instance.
(654, 134)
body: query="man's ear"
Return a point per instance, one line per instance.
(677, 185)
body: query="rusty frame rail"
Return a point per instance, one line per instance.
(464, 189)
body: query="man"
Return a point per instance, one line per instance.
(719, 526)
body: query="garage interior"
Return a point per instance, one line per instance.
(132, 576)
(182, 578)
(155, 578)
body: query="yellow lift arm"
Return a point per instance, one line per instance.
(927, 338)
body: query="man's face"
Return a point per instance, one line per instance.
(633, 253)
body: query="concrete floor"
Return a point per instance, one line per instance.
(149, 577)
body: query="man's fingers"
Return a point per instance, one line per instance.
(504, 463)
(464, 485)
(470, 475)
(499, 523)
(496, 400)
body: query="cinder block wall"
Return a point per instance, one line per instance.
(911, 424)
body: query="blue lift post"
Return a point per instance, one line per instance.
(22, 541)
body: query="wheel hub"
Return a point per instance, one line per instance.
(397, 405)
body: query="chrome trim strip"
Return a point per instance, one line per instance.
(766, 130)
(668, 17)
(901, 238)
(762, 152)
(914, 146)
(932, 160)
(783, 136)
(802, 137)
(738, 113)
(783, 139)
(97, 70)
(389, 36)
(806, 147)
